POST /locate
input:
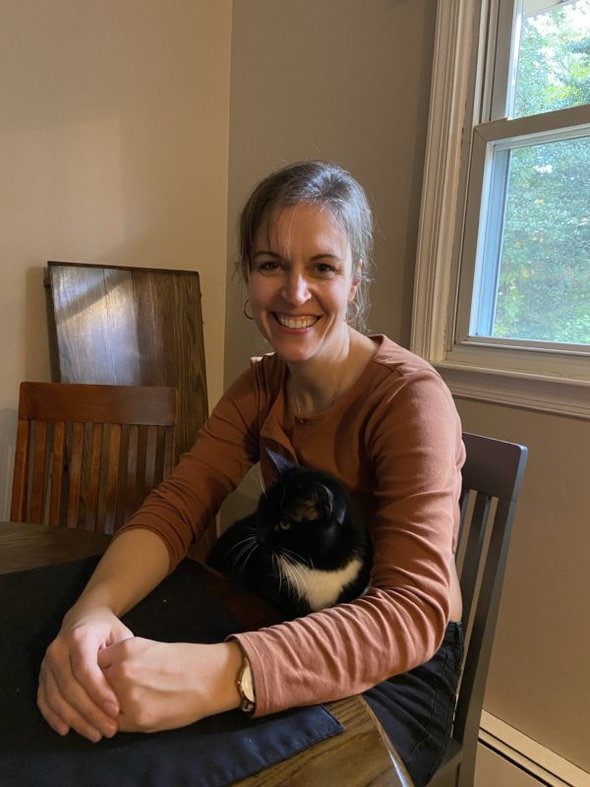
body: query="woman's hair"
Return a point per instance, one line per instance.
(328, 186)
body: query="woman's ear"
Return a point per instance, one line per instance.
(356, 279)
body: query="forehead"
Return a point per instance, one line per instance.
(301, 224)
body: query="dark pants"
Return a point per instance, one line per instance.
(416, 708)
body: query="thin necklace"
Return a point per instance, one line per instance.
(299, 412)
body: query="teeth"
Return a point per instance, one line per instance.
(296, 322)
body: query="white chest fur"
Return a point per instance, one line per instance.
(319, 588)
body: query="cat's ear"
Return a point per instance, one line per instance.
(337, 507)
(280, 462)
(340, 512)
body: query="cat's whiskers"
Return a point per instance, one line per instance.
(277, 570)
(245, 548)
(294, 558)
(293, 569)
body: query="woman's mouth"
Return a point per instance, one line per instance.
(295, 323)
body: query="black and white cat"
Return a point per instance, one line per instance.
(300, 549)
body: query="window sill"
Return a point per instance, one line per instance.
(559, 396)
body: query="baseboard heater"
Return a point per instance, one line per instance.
(531, 757)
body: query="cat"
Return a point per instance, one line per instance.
(300, 548)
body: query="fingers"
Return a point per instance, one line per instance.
(62, 716)
(73, 692)
(89, 676)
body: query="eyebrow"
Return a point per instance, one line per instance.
(268, 253)
(321, 256)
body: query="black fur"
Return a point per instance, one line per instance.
(304, 518)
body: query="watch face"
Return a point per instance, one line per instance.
(245, 686)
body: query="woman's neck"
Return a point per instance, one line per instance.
(315, 385)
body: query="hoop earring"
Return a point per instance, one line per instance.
(353, 311)
(244, 307)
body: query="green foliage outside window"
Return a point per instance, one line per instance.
(544, 279)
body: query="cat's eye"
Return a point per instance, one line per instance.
(284, 525)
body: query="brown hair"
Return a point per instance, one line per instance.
(317, 183)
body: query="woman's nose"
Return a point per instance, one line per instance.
(295, 288)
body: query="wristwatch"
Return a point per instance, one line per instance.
(245, 686)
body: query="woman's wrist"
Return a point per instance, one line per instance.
(79, 613)
(225, 662)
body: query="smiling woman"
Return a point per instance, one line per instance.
(328, 188)
(363, 409)
(305, 255)
(300, 283)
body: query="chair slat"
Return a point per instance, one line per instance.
(168, 453)
(132, 469)
(112, 483)
(476, 536)
(75, 475)
(39, 476)
(57, 469)
(18, 506)
(94, 472)
(151, 451)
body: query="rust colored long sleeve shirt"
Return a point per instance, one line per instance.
(394, 440)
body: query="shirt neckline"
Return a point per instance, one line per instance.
(350, 392)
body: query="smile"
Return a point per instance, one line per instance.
(295, 322)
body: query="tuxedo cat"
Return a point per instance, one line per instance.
(300, 549)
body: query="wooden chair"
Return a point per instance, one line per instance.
(87, 455)
(492, 477)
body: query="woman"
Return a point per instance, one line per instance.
(330, 397)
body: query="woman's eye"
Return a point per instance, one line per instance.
(324, 269)
(269, 266)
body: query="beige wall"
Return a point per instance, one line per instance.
(539, 678)
(344, 80)
(113, 149)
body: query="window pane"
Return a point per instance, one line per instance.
(553, 57)
(543, 277)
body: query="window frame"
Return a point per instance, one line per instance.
(465, 118)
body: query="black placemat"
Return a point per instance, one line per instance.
(213, 752)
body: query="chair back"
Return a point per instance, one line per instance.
(87, 455)
(492, 477)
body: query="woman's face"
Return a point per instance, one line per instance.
(301, 282)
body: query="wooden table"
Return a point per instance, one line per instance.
(361, 755)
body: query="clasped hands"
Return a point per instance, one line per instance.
(97, 678)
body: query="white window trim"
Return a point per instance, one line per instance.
(475, 372)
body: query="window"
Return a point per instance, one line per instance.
(502, 296)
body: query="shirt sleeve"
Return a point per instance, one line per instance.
(413, 441)
(227, 445)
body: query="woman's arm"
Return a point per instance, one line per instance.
(73, 692)
(97, 678)
(409, 434)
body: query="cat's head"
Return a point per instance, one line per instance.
(305, 511)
